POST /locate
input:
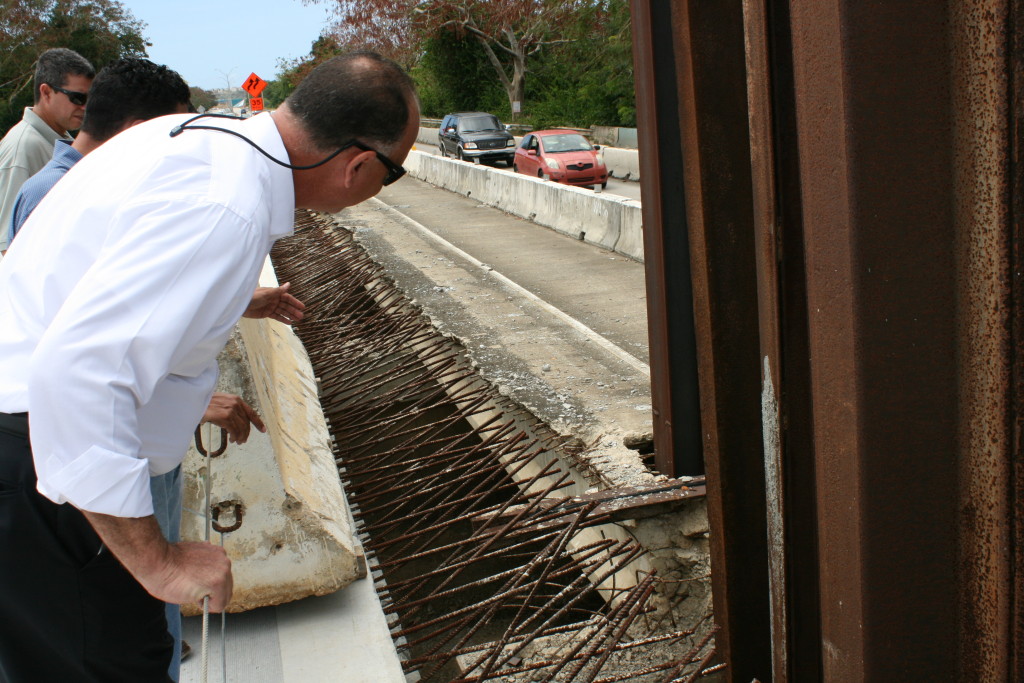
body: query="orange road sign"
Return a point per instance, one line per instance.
(254, 85)
(256, 103)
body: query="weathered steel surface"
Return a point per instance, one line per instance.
(981, 159)
(691, 86)
(782, 316)
(874, 122)
(675, 394)
(621, 503)
(1016, 421)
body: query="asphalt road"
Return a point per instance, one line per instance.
(601, 289)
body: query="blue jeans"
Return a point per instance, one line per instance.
(166, 490)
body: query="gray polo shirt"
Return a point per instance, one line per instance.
(26, 148)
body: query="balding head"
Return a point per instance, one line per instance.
(357, 96)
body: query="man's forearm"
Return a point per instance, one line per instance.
(136, 541)
(180, 573)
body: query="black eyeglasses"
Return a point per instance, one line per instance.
(395, 171)
(76, 98)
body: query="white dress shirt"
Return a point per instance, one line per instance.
(121, 290)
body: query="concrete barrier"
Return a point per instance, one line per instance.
(610, 222)
(296, 537)
(622, 163)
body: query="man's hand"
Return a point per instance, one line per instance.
(275, 303)
(179, 573)
(234, 415)
(191, 572)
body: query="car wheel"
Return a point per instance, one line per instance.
(515, 168)
(604, 185)
(444, 152)
(540, 174)
(458, 153)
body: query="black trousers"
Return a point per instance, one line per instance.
(69, 611)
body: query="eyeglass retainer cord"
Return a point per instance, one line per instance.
(179, 129)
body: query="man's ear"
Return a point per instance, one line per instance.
(356, 165)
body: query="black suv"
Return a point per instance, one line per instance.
(476, 135)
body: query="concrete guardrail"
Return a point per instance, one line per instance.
(610, 222)
(622, 163)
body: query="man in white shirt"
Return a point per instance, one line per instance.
(117, 298)
(61, 83)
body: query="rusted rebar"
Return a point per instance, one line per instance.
(458, 495)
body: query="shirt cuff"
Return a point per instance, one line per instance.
(100, 481)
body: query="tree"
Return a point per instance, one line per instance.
(588, 80)
(99, 30)
(509, 32)
(202, 98)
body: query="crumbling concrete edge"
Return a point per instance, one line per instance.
(314, 500)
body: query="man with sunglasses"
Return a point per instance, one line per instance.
(120, 292)
(61, 87)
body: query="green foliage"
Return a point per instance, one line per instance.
(589, 79)
(579, 65)
(291, 72)
(202, 98)
(276, 92)
(584, 80)
(454, 75)
(99, 30)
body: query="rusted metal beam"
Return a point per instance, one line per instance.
(874, 110)
(785, 370)
(691, 99)
(1016, 233)
(622, 502)
(675, 394)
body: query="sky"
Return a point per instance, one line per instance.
(213, 43)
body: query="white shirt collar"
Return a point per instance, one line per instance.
(262, 130)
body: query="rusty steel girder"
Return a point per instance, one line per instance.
(871, 248)
(702, 292)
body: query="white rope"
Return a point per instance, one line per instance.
(223, 636)
(206, 527)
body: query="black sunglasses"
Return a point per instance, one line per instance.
(394, 170)
(76, 98)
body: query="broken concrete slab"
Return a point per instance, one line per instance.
(296, 536)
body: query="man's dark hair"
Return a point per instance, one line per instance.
(131, 89)
(359, 95)
(54, 66)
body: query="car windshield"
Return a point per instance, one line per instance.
(565, 142)
(477, 124)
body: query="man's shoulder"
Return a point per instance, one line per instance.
(16, 134)
(24, 146)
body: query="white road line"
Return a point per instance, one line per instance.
(619, 352)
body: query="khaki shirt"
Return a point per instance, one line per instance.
(26, 148)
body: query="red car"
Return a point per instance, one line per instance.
(564, 156)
